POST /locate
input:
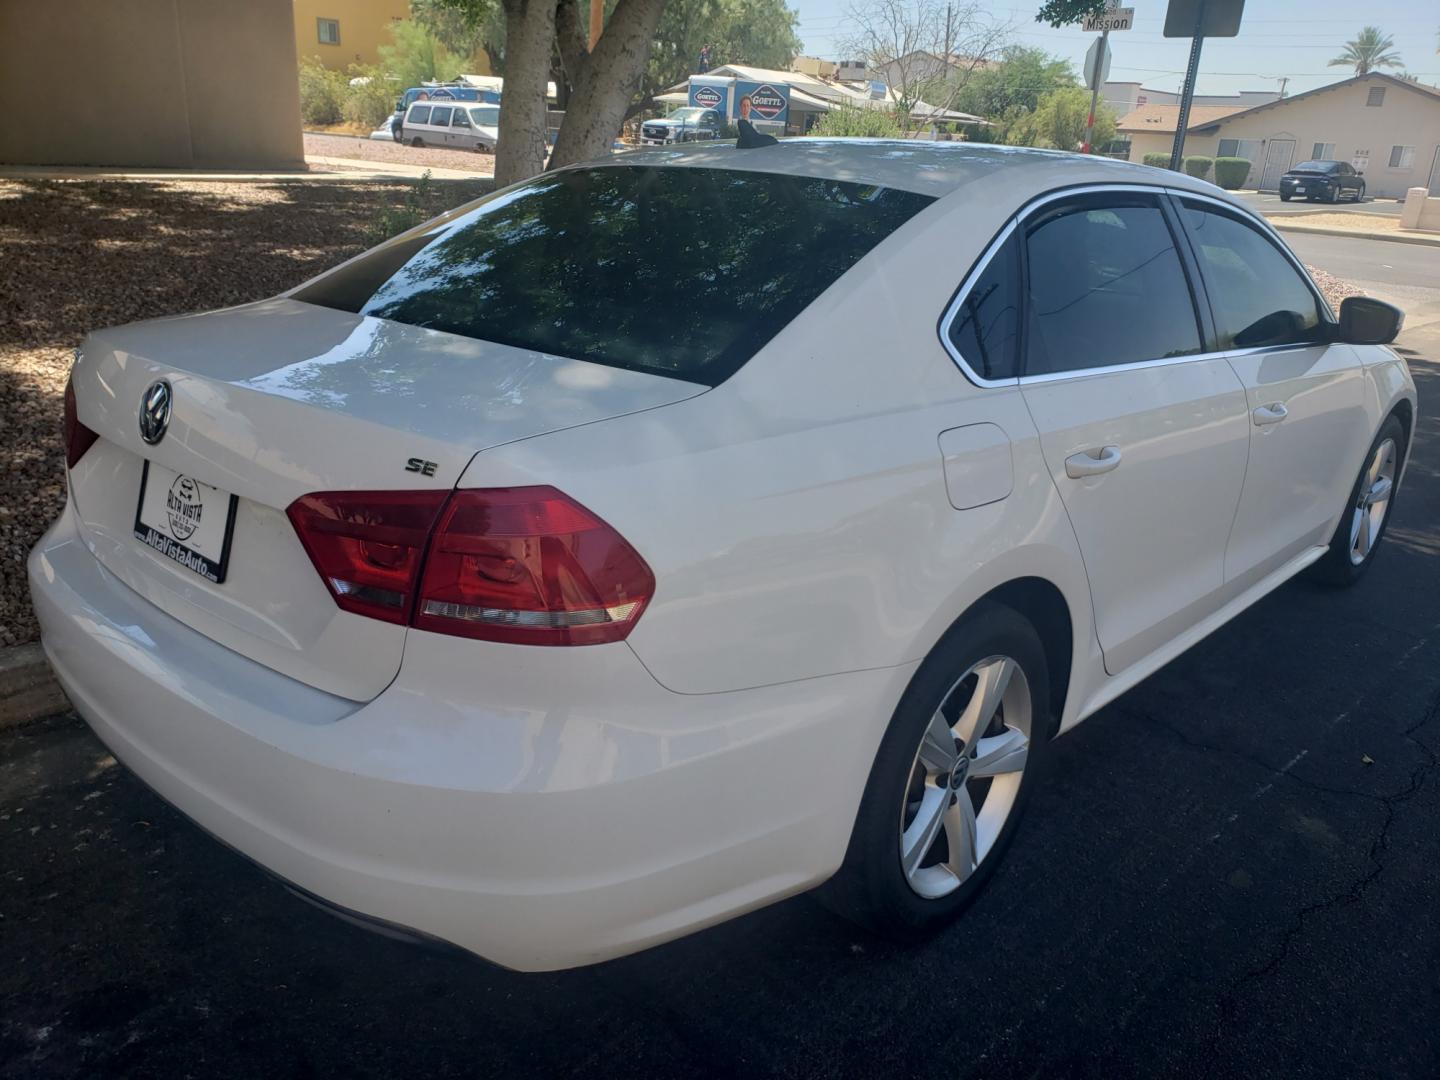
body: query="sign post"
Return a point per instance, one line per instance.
(1197, 19)
(1097, 60)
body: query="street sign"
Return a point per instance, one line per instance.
(1111, 19)
(1220, 18)
(1097, 63)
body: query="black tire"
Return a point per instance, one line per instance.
(1284, 197)
(871, 888)
(417, 141)
(1333, 194)
(1336, 567)
(1360, 194)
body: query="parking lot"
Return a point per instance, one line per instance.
(1230, 870)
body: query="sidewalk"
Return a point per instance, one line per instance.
(348, 170)
(1360, 230)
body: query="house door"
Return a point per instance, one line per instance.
(1277, 163)
(1435, 173)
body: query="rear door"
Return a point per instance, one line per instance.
(1305, 395)
(462, 135)
(1144, 433)
(439, 133)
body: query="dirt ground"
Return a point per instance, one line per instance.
(76, 256)
(344, 146)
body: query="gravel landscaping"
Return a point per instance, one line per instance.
(81, 255)
(389, 151)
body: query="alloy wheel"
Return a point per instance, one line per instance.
(1373, 503)
(965, 777)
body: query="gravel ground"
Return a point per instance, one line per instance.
(81, 255)
(1347, 220)
(75, 256)
(343, 146)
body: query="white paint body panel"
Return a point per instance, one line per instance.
(815, 524)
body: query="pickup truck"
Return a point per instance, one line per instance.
(690, 124)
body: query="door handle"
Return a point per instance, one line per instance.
(1270, 414)
(1092, 462)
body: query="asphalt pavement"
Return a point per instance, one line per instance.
(1232, 871)
(1271, 203)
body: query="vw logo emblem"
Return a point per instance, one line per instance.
(155, 411)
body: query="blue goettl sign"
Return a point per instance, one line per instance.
(768, 102)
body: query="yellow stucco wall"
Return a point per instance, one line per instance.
(363, 28)
(163, 83)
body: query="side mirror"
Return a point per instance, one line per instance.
(1367, 321)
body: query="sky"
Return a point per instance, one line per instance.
(1278, 38)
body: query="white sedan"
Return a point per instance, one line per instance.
(661, 537)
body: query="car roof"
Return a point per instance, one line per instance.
(918, 165)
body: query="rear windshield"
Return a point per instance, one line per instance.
(677, 271)
(1315, 166)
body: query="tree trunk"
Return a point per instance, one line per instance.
(606, 82)
(529, 38)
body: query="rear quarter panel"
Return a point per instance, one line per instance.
(796, 517)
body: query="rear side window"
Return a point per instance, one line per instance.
(986, 327)
(1106, 286)
(419, 114)
(1257, 296)
(682, 272)
(441, 116)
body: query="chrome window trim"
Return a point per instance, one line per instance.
(1029, 209)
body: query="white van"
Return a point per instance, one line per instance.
(462, 125)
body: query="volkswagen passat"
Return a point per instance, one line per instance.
(657, 538)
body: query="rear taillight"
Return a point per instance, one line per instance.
(368, 545)
(520, 565)
(78, 437)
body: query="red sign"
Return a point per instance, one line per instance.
(707, 97)
(766, 102)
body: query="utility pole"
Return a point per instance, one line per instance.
(1284, 81)
(1095, 94)
(597, 21)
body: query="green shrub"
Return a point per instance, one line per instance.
(1198, 165)
(1158, 161)
(853, 122)
(372, 102)
(394, 220)
(1230, 172)
(322, 93)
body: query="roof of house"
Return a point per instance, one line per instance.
(1431, 92)
(1162, 119)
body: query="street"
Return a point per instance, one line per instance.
(1231, 871)
(1269, 202)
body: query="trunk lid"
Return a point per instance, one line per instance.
(279, 399)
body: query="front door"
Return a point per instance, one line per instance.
(1145, 438)
(1306, 396)
(1278, 156)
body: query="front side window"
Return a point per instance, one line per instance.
(459, 119)
(986, 327)
(328, 31)
(685, 272)
(1257, 296)
(1105, 286)
(419, 114)
(440, 116)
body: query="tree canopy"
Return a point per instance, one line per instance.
(1021, 78)
(1369, 50)
(760, 33)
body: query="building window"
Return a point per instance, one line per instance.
(1249, 149)
(1323, 151)
(328, 31)
(1402, 157)
(1376, 97)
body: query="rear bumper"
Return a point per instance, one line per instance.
(543, 808)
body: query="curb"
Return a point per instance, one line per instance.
(28, 689)
(1279, 222)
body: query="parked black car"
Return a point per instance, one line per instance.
(1328, 180)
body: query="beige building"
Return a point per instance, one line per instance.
(159, 83)
(1150, 129)
(344, 32)
(1389, 129)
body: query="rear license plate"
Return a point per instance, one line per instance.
(1299, 189)
(185, 520)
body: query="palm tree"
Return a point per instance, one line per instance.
(1368, 51)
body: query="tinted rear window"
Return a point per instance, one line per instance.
(677, 271)
(420, 114)
(1315, 166)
